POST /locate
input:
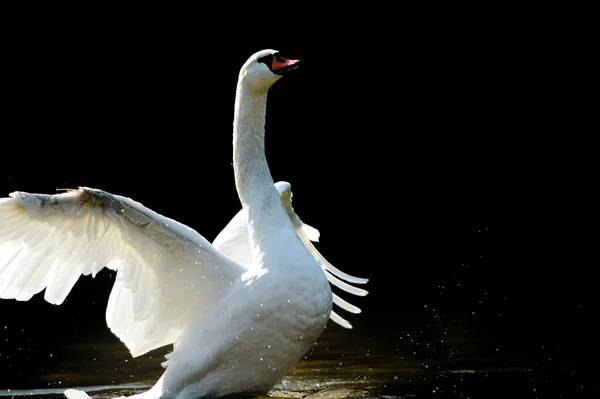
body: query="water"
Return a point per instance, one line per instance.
(343, 364)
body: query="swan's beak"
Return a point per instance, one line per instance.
(281, 65)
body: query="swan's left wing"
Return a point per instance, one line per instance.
(235, 243)
(165, 270)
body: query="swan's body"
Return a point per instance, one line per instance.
(240, 312)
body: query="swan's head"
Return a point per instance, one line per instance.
(264, 68)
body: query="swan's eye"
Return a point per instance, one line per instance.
(267, 59)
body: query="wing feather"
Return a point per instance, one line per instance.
(345, 305)
(48, 241)
(307, 234)
(339, 320)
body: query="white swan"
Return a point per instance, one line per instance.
(238, 322)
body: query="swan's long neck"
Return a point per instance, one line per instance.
(253, 179)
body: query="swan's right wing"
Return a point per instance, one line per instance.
(234, 242)
(165, 270)
(305, 232)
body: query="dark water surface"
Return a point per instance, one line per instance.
(439, 362)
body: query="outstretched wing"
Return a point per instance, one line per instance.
(165, 270)
(234, 242)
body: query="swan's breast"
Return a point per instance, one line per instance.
(271, 321)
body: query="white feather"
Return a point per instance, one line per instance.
(339, 320)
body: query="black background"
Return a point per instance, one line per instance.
(430, 151)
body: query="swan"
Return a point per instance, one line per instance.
(239, 312)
